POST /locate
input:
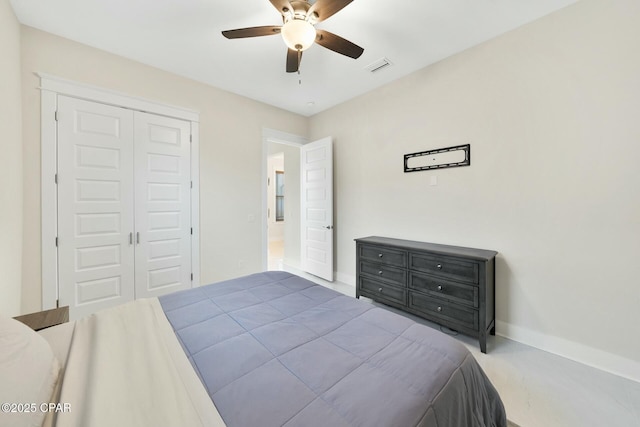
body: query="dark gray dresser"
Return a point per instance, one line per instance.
(449, 285)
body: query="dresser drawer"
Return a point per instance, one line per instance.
(383, 255)
(382, 291)
(449, 313)
(384, 273)
(445, 267)
(446, 289)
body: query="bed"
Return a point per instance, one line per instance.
(269, 349)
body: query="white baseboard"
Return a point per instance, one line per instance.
(347, 279)
(578, 352)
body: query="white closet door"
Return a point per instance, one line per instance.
(95, 206)
(162, 206)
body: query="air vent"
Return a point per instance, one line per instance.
(378, 65)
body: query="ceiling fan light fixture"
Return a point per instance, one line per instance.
(298, 34)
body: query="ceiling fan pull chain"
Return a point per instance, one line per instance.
(299, 61)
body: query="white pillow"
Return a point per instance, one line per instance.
(28, 372)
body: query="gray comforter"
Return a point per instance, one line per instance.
(274, 349)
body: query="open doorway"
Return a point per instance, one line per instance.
(277, 196)
(281, 200)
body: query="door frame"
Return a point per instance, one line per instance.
(278, 137)
(50, 88)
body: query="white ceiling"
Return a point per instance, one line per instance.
(183, 37)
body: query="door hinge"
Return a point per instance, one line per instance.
(56, 242)
(190, 138)
(57, 303)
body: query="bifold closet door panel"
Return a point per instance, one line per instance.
(162, 205)
(95, 205)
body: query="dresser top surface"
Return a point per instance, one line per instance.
(479, 254)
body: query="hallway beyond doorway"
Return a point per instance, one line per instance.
(276, 255)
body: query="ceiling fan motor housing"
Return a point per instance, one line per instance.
(300, 9)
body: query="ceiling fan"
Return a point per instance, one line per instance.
(298, 30)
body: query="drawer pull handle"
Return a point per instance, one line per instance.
(439, 308)
(439, 287)
(380, 290)
(379, 255)
(380, 272)
(439, 266)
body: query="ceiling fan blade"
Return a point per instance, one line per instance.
(281, 5)
(338, 44)
(293, 60)
(242, 33)
(327, 8)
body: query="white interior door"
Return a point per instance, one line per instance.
(163, 205)
(317, 208)
(95, 206)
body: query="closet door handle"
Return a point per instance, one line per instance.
(138, 238)
(131, 238)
